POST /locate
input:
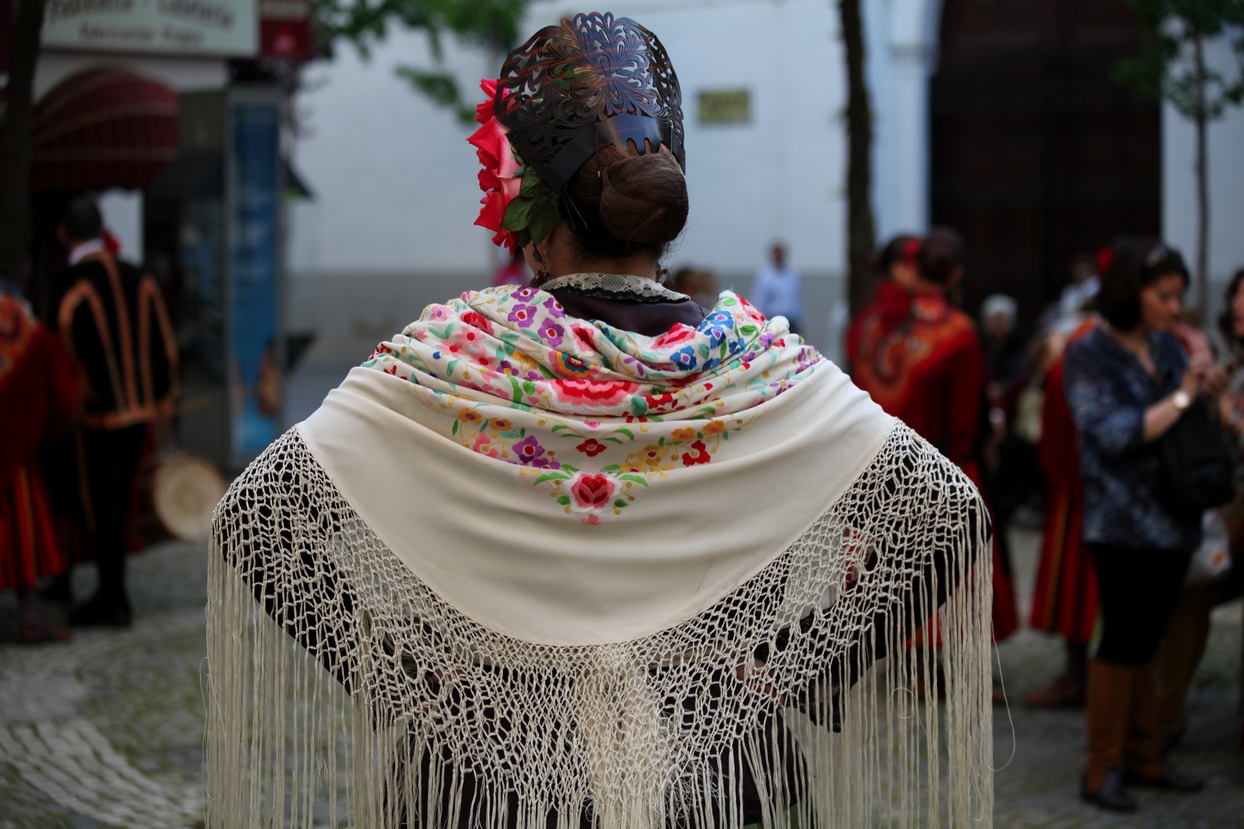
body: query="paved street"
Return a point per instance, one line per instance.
(106, 730)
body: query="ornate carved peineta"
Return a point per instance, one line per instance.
(593, 79)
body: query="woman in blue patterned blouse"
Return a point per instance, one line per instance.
(1127, 383)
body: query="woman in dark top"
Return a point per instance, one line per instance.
(1127, 383)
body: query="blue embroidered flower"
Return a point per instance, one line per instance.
(685, 357)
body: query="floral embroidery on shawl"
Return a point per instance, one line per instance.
(590, 411)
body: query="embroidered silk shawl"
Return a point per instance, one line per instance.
(527, 570)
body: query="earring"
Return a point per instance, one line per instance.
(542, 272)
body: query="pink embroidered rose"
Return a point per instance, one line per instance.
(596, 393)
(592, 492)
(678, 333)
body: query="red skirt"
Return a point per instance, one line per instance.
(1064, 597)
(28, 548)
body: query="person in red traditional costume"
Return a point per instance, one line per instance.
(112, 319)
(920, 359)
(1064, 599)
(39, 396)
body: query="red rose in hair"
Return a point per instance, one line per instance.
(497, 178)
(1105, 258)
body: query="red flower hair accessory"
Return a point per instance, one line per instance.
(517, 207)
(911, 249)
(1105, 258)
(497, 179)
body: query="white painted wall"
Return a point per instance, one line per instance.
(1225, 150)
(390, 229)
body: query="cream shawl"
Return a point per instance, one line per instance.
(522, 567)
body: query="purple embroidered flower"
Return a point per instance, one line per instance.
(530, 451)
(525, 292)
(551, 333)
(685, 357)
(766, 340)
(522, 314)
(554, 308)
(506, 367)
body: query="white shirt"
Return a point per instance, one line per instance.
(84, 249)
(776, 293)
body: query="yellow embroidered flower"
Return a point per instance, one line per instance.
(684, 435)
(652, 455)
(714, 427)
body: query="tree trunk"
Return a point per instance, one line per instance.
(860, 232)
(15, 148)
(1202, 184)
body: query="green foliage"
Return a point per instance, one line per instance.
(490, 24)
(1168, 68)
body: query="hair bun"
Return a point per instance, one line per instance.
(644, 198)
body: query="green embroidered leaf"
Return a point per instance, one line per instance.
(621, 502)
(703, 350)
(639, 406)
(453, 430)
(636, 479)
(748, 330)
(517, 389)
(627, 432)
(529, 387)
(612, 439)
(450, 367)
(564, 500)
(552, 476)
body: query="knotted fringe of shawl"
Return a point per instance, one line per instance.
(344, 692)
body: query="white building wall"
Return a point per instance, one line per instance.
(394, 179)
(1225, 164)
(390, 229)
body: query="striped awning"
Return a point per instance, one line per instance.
(103, 128)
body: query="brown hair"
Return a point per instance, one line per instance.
(941, 255)
(619, 204)
(1135, 265)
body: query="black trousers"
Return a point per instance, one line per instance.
(1137, 591)
(111, 462)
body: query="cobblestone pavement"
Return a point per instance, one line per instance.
(107, 729)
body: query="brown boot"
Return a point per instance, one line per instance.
(1106, 714)
(1144, 736)
(1145, 766)
(1183, 645)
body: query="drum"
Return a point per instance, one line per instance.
(184, 491)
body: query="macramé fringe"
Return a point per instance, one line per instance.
(343, 692)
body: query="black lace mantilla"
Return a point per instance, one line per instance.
(593, 80)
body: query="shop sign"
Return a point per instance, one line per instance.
(285, 29)
(725, 106)
(183, 27)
